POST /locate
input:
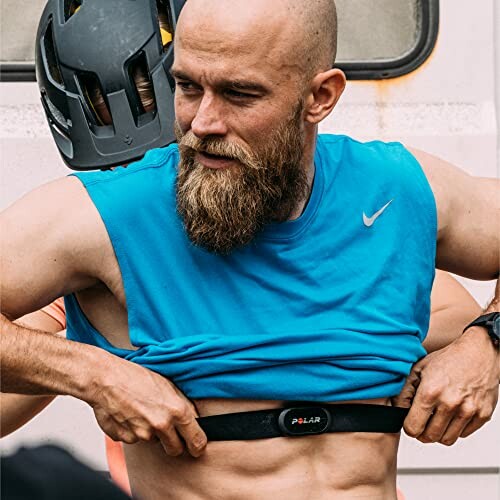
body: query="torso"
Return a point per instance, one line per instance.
(340, 466)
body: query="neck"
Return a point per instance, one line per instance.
(309, 150)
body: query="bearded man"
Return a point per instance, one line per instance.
(275, 265)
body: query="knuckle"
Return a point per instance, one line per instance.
(432, 437)
(484, 418)
(126, 437)
(199, 441)
(448, 441)
(411, 430)
(423, 439)
(485, 414)
(160, 424)
(178, 411)
(446, 407)
(183, 416)
(466, 412)
(130, 439)
(430, 395)
(145, 434)
(450, 404)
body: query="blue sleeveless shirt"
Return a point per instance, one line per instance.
(323, 308)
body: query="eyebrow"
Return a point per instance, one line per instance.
(243, 85)
(236, 84)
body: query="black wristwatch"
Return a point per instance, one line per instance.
(491, 322)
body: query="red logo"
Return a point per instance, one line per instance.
(300, 421)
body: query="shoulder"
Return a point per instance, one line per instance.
(441, 176)
(49, 206)
(59, 221)
(376, 161)
(372, 153)
(58, 216)
(139, 184)
(157, 162)
(51, 241)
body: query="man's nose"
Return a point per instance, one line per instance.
(208, 119)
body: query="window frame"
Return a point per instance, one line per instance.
(359, 70)
(392, 68)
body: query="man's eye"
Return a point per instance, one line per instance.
(239, 95)
(186, 86)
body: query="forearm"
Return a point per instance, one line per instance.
(494, 306)
(18, 409)
(480, 335)
(38, 363)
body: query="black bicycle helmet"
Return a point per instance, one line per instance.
(89, 47)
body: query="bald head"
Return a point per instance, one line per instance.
(303, 32)
(317, 25)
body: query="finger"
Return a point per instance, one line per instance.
(106, 423)
(171, 442)
(476, 423)
(405, 398)
(114, 430)
(455, 430)
(126, 435)
(437, 425)
(420, 412)
(407, 394)
(195, 438)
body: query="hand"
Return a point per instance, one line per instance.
(134, 404)
(452, 392)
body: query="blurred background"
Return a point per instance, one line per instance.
(423, 72)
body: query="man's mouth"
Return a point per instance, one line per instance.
(213, 161)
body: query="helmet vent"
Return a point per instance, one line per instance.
(50, 60)
(96, 107)
(141, 80)
(55, 114)
(165, 23)
(71, 7)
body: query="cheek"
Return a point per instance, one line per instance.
(257, 126)
(184, 113)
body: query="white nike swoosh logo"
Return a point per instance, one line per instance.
(369, 221)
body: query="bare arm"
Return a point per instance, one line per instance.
(17, 409)
(452, 308)
(36, 238)
(468, 219)
(44, 256)
(454, 391)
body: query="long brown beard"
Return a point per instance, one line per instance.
(225, 209)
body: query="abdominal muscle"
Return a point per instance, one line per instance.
(338, 466)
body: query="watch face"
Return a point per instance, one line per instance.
(496, 326)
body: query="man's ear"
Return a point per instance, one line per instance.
(324, 92)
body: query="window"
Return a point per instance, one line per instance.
(377, 38)
(385, 38)
(18, 27)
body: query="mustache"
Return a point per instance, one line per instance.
(189, 144)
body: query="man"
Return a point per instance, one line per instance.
(251, 191)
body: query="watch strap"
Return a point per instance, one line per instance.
(487, 321)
